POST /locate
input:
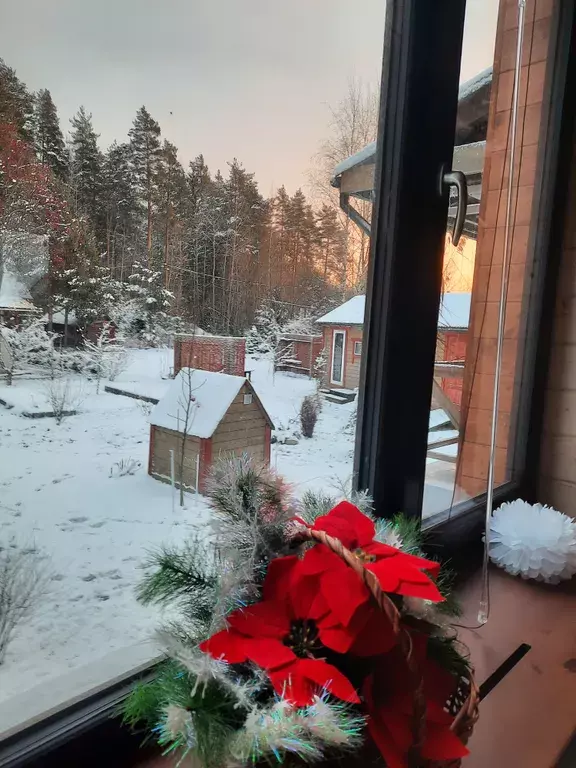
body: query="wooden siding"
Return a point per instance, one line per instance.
(243, 429)
(351, 378)
(161, 442)
(533, 114)
(558, 457)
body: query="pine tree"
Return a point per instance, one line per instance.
(120, 209)
(48, 139)
(171, 200)
(331, 244)
(16, 103)
(145, 150)
(86, 164)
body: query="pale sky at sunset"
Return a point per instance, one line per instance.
(245, 78)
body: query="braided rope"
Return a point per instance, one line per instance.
(468, 714)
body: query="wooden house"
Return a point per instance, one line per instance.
(343, 328)
(204, 416)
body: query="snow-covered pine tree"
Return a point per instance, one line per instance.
(48, 139)
(144, 154)
(120, 209)
(24, 347)
(86, 170)
(16, 103)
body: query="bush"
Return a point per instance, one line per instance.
(23, 582)
(309, 411)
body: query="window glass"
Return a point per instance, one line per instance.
(179, 273)
(501, 215)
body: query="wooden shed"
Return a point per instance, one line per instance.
(203, 416)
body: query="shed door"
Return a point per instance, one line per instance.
(338, 346)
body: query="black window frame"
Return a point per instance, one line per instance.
(85, 732)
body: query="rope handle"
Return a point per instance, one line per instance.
(393, 615)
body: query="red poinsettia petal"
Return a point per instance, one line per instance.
(381, 736)
(278, 578)
(347, 523)
(293, 687)
(442, 744)
(265, 619)
(395, 577)
(268, 653)
(306, 601)
(338, 638)
(318, 559)
(227, 645)
(374, 632)
(328, 677)
(344, 592)
(413, 561)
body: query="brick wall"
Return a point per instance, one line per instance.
(219, 354)
(558, 458)
(479, 373)
(452, 346)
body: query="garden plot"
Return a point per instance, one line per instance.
(62, 493)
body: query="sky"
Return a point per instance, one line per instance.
(252, 79)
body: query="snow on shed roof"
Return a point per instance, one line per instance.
(349, 313)
(454, 310)
(358, 158)
(211, 395)
(13, 294)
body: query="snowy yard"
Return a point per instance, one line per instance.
(57, 495)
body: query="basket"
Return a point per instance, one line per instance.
(462, 705)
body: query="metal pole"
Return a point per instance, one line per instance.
(197, 473)
(173, 478)
(484, 610)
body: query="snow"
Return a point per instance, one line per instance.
(475, 83)
(454, 310)
(13, 293)
(211, 394)
(358, 158)
(60, 495)
(349, 313)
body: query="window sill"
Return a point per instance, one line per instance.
(529, 718)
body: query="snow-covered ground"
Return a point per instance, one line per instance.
(60, 493)
(57, 495)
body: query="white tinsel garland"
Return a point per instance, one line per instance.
(533, 541)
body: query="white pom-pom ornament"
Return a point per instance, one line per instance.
(533, 541)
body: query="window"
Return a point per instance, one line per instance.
(145, 274)
(159, 245)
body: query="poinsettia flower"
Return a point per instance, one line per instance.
(397, 571)
(284, 634)
(390, 705)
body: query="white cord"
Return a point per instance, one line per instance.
(484, 610)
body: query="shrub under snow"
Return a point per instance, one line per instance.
(309, 411)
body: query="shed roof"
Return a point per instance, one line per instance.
(349, 313)
(454, 311)
(211, 394)
(14, 294)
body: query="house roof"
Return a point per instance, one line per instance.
(211, 394)
(349, 313)
(14, 294)
(454, 312)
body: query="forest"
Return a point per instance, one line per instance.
(129, 231)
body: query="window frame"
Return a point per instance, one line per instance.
(398, 362)
(84, 731)
(357, 346)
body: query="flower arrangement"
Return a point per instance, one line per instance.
(307, 633)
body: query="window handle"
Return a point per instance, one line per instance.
(456, 179)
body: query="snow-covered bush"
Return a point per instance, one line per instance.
(303, 324)
(309, 411)
(23, 582)
(65, 397)
(262, 338)
(125, 467)
(117, 359)
(24, 347)
(321, 367)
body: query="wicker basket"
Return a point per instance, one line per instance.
(463, 704)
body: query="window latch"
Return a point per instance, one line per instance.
(456, 179)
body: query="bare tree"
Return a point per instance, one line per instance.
(65, 396)
(23, 582)
(353, 125)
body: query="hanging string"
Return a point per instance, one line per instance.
(484, 609)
